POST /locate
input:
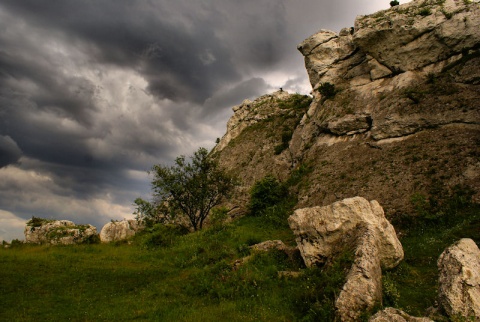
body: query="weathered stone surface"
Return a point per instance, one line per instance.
(394, 315)
(323, 232)
(390, 53)
(418, 33)
(59, 232)
(269, 245)
(251, 112)
(349, 124)
(459, 280)
(363, 286)
(119, 230)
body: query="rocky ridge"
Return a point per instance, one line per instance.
(403, 117)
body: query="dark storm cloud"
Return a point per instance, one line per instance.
(185, 49)
(9, 151)
(234, 95)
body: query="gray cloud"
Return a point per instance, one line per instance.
(9, 151)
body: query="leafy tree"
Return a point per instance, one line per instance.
(394, 3)
(192, 188)
(152, 213)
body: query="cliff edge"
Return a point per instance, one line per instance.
(395, 112)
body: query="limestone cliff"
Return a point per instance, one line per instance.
(395, 111)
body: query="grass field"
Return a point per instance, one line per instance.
(164, 275)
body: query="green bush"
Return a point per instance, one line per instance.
(162, 235)
(37, 221)
(327, 90)
(394, 3)
(266, 193)
(425, 12)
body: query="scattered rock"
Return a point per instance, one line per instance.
(59, 232)
(324, 232)
(459, 280)
(119, 230)
(394, 315)
(269, 245)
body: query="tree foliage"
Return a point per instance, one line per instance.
(152, 213)
(192, 188)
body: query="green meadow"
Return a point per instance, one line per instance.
(167, 275)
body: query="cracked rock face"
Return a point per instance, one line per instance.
(378, 69)
(417, 34)
(459, 280)
(119, 230)
(356, 223)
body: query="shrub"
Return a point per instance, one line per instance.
(425, 12)
(286, 137)
(327, 90)
(37, 222)
(266, 193)
(162, 235)
(394, 3)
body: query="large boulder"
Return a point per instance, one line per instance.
(358, 224)
(322, 232)
(459, 280)
(119, 230)
(58, 232)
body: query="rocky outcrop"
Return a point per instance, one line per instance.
(394, 315)
(388, 55)
(459, 280)
(119, 230)
(251, 112)
(355, 223)
(389, 125)
(59, 232)
(419, 33)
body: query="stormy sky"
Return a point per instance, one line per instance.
(94, 92)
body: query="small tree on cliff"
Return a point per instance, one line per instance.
(192, 188)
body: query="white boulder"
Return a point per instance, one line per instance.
(119, 230)
(459, 280)
(358, 224)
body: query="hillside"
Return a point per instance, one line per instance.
(394, 115)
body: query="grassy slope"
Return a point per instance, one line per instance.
(190, 277)
(190, 280)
